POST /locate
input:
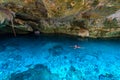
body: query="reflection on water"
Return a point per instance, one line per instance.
(51, 57)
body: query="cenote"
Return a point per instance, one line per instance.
(54, 57)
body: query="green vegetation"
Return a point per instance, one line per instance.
(111, 23)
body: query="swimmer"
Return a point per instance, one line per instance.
(76, 47)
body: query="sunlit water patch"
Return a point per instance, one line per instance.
(54, 57)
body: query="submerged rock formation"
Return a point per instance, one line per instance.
(95, 18)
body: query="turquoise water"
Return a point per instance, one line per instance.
(53, 57)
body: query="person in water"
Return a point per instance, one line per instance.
(76, 46)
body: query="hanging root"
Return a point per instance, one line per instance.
(13, 28)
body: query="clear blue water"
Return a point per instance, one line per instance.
(53, 57)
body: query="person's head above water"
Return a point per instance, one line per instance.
(76, 46)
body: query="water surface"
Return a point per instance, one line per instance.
(53, 57)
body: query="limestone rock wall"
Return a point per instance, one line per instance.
(86, 18)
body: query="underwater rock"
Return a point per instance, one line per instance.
(101, 77)
(39, 72)
(4, 65)
(20, 76)
(40, 67)
(106, 77)
(2, 48)
(15, 57)
(56, 50)
(74, 74)
(72, 68)
(96, 69)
